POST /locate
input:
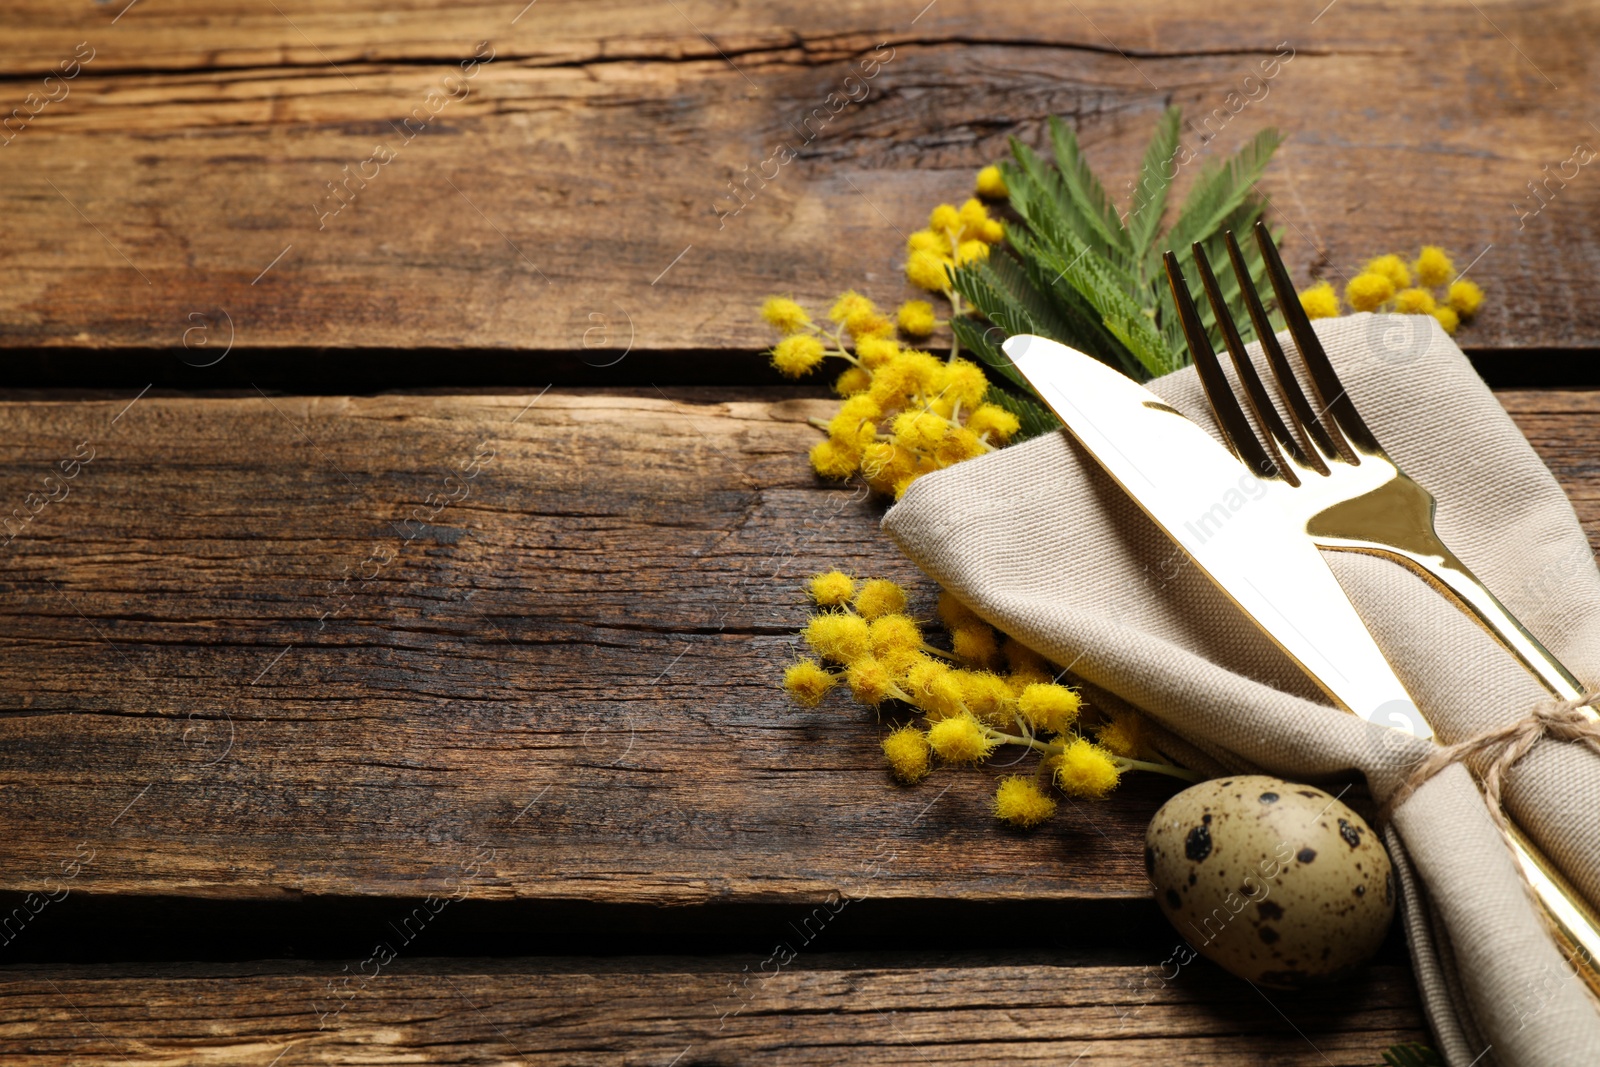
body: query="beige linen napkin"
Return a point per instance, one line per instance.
(1038, 540)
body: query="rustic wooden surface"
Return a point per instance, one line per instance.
(821, 1010)
(201, 708)
(572, 665)
(273, 669)
(570, 197)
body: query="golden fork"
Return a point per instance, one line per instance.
(1353, 497)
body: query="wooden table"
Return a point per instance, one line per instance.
(318, 750)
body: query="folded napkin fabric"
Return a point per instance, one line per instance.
(1041, 542)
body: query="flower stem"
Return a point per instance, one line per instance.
(955, 311)
(1123, 763)
(1170, 769)
(1012, 739)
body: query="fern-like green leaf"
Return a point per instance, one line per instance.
(1084, 329)
(1085, 278)
(1048, 229)
(1037, 190)
(1017, 298)
(1104, 226)
(1104, 288)
(1150, 191)
(1221, 189)
(1002, 294)
(1411, 1055)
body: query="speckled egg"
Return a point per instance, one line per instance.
(1278, 883)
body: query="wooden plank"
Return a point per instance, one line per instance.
(817, 1010)
(194, 35)
(1546, 417)
(571, 666)
(576, 195)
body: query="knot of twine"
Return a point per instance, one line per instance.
(1559, 720)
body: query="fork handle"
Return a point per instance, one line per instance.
(1444, 571)
(1574, 923)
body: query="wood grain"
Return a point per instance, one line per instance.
(570, 199)
(571, 666)
(819, 1010)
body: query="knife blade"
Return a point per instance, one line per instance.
(1221, 514)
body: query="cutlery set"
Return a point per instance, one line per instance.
(1254, 516)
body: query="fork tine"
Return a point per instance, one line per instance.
(1235, 427)
(1324, 380)
(1315, 438)
(1274, 432)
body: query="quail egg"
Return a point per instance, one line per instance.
(1278, 883)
